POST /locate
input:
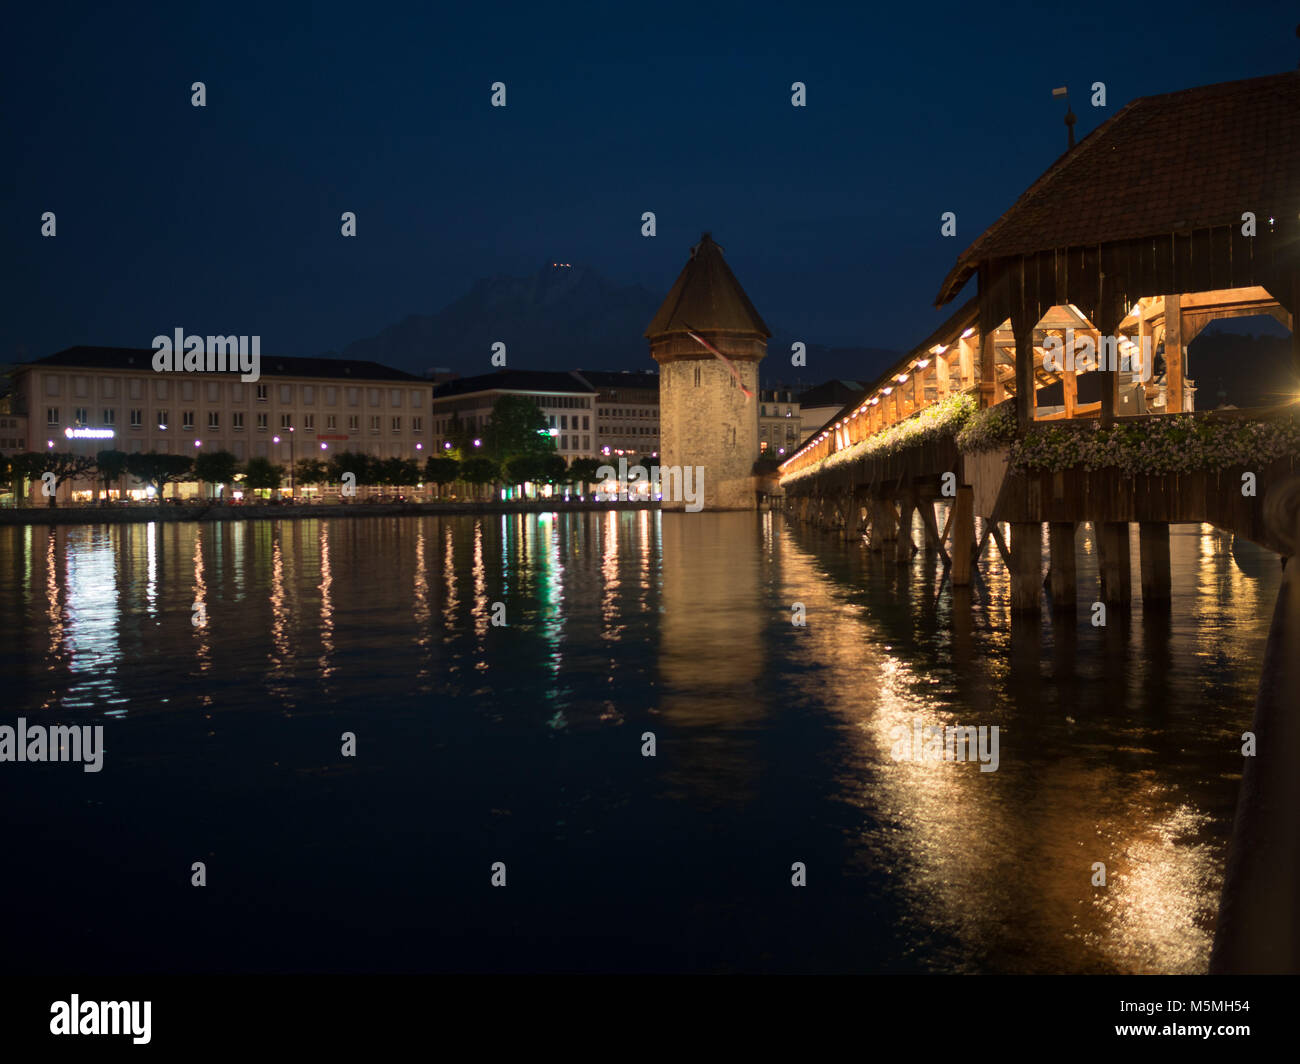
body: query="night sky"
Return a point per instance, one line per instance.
(225, 219)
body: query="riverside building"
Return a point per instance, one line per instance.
(89, 399)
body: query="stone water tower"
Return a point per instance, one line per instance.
(706, 419)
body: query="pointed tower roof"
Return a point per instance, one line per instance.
(707, 297)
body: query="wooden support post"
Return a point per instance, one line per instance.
(1146, 355)
(963, 535)
(1025, 398)
(1153, 541)
(1026, 567)
(1114, 562)
(942, 377)
(1002, 543)
(1070, 386)
(988, 369)
(1173, 355)
(1062, 575)
(966, 363)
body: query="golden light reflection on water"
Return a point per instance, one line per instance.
(450, 600)
(53, 614)
(199, 618)
(481, 611)
(1157, 911)
(280, 672)
(326, 588)
(420, 610)
(610, 587)
(1002, 862)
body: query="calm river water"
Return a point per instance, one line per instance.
(226, 661)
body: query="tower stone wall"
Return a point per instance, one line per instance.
(710, 425)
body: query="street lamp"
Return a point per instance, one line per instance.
(276, 439)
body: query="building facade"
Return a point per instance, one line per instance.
(778, 422)
(299, 408)
(566, 401)
(627, 412)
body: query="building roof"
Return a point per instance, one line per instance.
(628, 378)
(516, 380)
(1163, 164)
(831, 393)
(707, 297)
(126, 358)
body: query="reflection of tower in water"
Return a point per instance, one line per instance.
(710, 655)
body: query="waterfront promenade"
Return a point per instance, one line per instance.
(117, 515)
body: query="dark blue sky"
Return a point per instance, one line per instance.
(226, 219)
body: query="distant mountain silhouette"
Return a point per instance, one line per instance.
(1235, 369)
(568, 317)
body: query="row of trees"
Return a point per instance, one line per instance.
(107, 468)
(516, 446)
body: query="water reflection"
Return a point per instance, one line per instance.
(710, 657)
(1117, 744)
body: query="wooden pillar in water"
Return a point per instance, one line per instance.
(963, 536)
(903, 544)
(1026, 566)
(883, 523)
(1062, 575)
(1114, 562)
(1153, 541)
(930, 528)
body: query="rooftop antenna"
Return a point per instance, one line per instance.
(1070, 119)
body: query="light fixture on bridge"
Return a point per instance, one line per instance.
(968, 333)
(901, 378)
(923, 363)
(887, 389)
(938, 349)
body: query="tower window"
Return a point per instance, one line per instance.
(697, 376)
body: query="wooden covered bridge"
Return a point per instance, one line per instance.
(1059, 393)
